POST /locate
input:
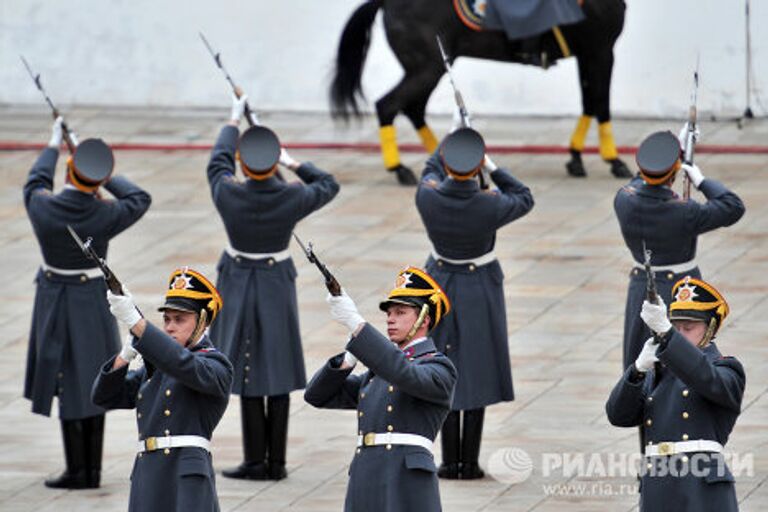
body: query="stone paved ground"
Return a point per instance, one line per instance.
(565, 267)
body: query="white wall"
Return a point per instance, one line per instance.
(142, 52)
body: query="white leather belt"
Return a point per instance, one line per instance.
(373, 439)
(677, 268)
(277, 256)
(672, 448)
(151, 444)
(485, 259)
(90, 273)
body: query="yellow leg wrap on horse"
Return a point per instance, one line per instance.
(580, 133)
(607, 144)
(428, 139)
(389, 151)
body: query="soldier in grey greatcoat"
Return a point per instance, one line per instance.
(401, 401)
(259, 325)
(72, 331)
(650, 212)
(686, 397)
(461, 220)
(180, 394)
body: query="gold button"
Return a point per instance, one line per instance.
(270, 262)
(167, 451)
(650, 399)
(139, 397)
(471, 267)
(61, 390)
(635, 271)
(389, 408)
(649, 465)
(448, 346)
(83, 279)
(360, 414)
(48, 275)
(391, 389)
(389, 447)
(358, 450)
(649, 422)
(362, 395)
(247, 342)
(138, 415)
(167, 432)
(237, 259)
(247, 368)
(245, 380)
(685, 437)
(141, 454)
(685, 458)
(167, 392)
(685, 415)
(61, 375)
(686, 392)
(247, 354)
(439, 263)
(149, 380)
(167, 412)
(670, 276)
(390, 428)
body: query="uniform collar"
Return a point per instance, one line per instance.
(465, 188)
(203, 344)
(419, 347)
(271, 183)
(658, 191)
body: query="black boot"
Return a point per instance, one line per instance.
(254, 424)
(450, 440)
(278, 407)
(93, 439)
(470, 444)
(74, 477)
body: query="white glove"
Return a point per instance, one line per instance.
(647, 357)
(57, 133)
(128, 353)
(694, 174)
(238, 107)
(349, 359)
(655, 316)
(344, 311)
(123, 307)
(286, 160)
(682, 136)
(489, 164)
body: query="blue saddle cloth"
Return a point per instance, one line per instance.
(526, 18)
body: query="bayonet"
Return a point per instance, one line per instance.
(330, 281)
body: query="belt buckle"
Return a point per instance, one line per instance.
(150, 444)
(666, 448)
(369, 439)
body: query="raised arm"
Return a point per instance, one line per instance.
(433, 382)
(116, 388)
(40, 178)
(221, 165)
(332, 387)
(626, 404)
(131, 203)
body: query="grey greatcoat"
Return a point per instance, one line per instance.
(461, 222)
(258, 326)
(399, 393)
(72, 329)
(670, 228)
(697, 396)
(185, 393)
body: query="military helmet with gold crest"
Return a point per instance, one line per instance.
(414, 287)
(189, 290)
(697, 300)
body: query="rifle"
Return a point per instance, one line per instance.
(250, 114)
(69, 137)
(653, 297)
(112, 282)
(330, 282)
(484, 178)
(690, 136)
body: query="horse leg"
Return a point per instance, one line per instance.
(602, 67)
(575, 165)
(410, 91)
(415, 111)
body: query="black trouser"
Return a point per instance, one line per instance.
(83, 445)
(461, 446)
(265, 434)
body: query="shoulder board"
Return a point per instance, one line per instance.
(206, 350)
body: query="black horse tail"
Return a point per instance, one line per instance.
(346, 86)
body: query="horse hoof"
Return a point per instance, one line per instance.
(619, 169)
(575, 166)
(405, 176)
